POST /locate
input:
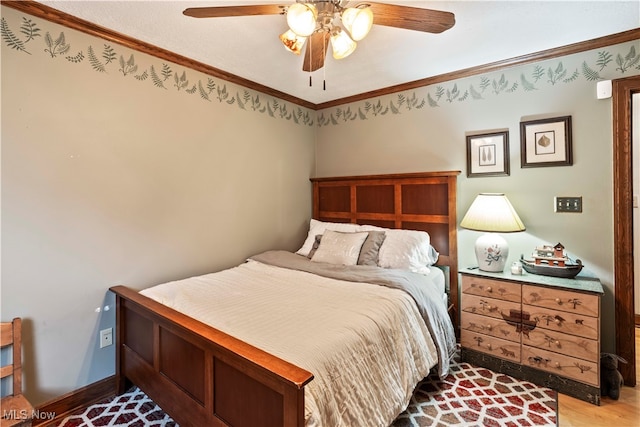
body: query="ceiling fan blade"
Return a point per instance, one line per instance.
(412, 18)
(222, 11)
(317, 45)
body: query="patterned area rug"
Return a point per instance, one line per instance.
(472, 396)
(131, 409)
(469, 396)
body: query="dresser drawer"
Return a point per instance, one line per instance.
(488, 306)
(568, 323)
(484, 287)
(561, 300)
(491, 345)
(489, 326)
(562, 343)
(559, 364)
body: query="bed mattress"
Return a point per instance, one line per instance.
(367, 345)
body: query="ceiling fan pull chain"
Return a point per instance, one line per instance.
(324, 69)
(310, 55)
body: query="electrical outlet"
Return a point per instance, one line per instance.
(106, 337)
(568, 204)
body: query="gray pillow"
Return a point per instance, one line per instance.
(369, 251)
(370, 248)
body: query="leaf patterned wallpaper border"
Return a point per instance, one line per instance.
(621, 60)
(28, 37)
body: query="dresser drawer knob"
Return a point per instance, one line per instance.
(489, 289)
(557, 343)
(557, 365)
(559, 301)
(484, 305)
(489, 346)
(489, 327)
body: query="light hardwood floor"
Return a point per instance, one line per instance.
(624, 412)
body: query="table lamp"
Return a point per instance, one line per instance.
(493, 213)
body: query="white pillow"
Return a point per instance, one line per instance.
(340, 248)
(407, 250)
(318, 227)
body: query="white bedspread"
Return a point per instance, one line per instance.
(366, 345)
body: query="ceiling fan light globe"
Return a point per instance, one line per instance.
(358, 21)
(341, 43)
(292, 42)
(301, 18)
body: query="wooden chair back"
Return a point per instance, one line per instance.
(16, 409)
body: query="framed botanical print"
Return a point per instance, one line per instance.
(546, 142)
(488, 154)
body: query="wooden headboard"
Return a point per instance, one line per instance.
(416, 201)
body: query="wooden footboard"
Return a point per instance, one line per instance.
(199, 375)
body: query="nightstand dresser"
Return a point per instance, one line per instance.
(541, 329)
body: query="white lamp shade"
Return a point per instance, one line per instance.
(301, 18)
(492, 212)
(341, 44)
(358, 21)
(292, 42)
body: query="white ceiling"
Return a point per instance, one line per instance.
(485, 32)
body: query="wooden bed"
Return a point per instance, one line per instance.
(203, 377)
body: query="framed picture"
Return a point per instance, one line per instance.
(546, 142)
(488, 154)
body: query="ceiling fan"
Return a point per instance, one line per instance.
(317, 22)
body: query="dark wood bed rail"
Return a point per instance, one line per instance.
(200, 375)
(424, 201)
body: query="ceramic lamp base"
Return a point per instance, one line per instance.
(492, 252)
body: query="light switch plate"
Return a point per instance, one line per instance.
(567, 204)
